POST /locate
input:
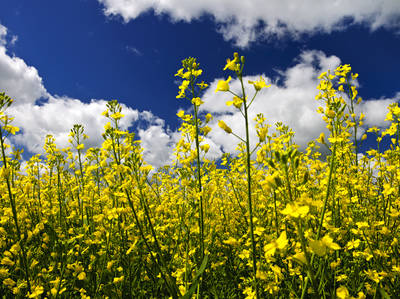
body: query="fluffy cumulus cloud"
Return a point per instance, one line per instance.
(57, 116)
(246, 21)
(18, 80)
(3, 33)
(376, 110)
(290, 100)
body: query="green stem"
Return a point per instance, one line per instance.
(250, 205)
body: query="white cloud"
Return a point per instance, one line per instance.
(20, 81)
(292, 103)
(13, 40)
(134, 50)
(246, 21)
(3, 34)
(375, 110)
(158, 144)
(57, 117)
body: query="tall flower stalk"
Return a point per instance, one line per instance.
(241, 103)
(191, 90)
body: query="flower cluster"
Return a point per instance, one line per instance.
(273, 221)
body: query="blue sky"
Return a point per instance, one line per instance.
(60, 60)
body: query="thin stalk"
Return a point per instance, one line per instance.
(331, 168)
(250, 205)
(200, 188)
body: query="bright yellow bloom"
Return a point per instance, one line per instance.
(260, 84)
(36, 292)
(9, 282)
(232, 64)
(237, 102)
(117, 115)
(118, 279)
(82, 276)
(330, 113)
(205, 147)
(11, 129)
(224, 126)
(7, 261)
(223, 85)
(342, 293)
(179, 73)
(202, 85)
(295, 211)
(231, 241)
(197, 101)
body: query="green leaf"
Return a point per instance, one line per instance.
(196, 280)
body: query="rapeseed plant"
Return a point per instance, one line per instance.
(272, 221)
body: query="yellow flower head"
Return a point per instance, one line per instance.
(202, 85)
(237, 102)
(224, 126)
(117, 115)
(260, 84)
(232, 65)
(223, 85)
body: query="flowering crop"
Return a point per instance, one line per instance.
(273, 221)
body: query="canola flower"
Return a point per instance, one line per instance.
(82, 222)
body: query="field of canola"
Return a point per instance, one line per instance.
(271, 222)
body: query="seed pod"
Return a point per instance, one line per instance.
(296, 162)
(294, 153)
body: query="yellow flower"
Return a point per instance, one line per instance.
(9, 282)
(36, 292)
(202, 85)
(300, 257)
(117, 115)
(197, 101)
(330, 113)
(181, 113)
(208, 117)
(205, 147)
(11, 129)
(232, 64)
(231, 241)
(295, 211)
(82, 276)
(197, 73)
(179, 73)
(107, 126)
(3, 272)
(118, 279)
(7, 261)
(260, 84)
(342, 293)
(80, 146)
(223, 85)
(237, 102)
(224, 126)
